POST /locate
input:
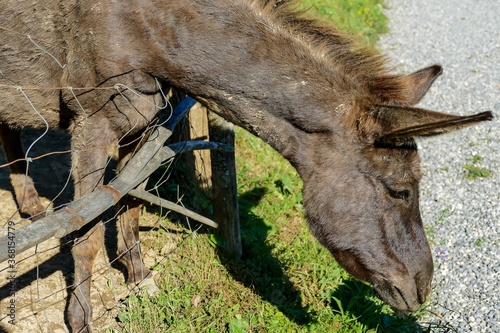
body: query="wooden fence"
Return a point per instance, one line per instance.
(148, 159)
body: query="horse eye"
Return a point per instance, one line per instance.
(398, 194)
(401, 194)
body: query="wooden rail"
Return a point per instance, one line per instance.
(82, 211)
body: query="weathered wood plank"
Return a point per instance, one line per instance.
(171, 206)
(86, 209)
(198, 130)
(224, 186)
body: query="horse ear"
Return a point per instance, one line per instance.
(416, 85)
(399, 123)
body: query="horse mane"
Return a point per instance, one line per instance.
(359, 62)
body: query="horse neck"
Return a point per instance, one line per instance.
(252, 73)
(280, 134)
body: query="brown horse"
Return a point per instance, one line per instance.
(97, 69)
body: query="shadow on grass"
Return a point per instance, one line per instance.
(258, 269)
(263, 273)
(355, 299)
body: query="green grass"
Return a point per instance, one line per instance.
(473, 170)
(363, 18)
(479, 241)
(285, 281)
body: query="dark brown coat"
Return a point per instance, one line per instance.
(327, 105)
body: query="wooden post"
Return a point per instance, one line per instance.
(199, 169)
(200, 162)
(224, 187)
(217, 170)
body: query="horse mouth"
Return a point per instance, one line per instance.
(404, 295)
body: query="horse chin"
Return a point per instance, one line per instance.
(401, 293)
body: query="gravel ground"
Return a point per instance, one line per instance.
(461, 215)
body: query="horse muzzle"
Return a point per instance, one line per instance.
(403, 293)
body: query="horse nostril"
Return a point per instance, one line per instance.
(423, 281)
(399, 292)
(423, 290)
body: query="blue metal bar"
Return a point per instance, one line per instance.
(180, 111)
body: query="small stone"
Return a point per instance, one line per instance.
(149, 261)
(196, 301)
(167, 248)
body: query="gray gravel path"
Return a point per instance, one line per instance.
(462, 216)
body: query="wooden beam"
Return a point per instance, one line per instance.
(224, 187)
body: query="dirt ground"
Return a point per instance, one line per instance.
(44, 273)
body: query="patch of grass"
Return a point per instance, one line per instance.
(473, 170)
(364, 18)
(479, 241)
(285, 281)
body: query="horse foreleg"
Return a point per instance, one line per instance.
(129, 248)
(26, 195)
(84, 253)
(89, 158)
